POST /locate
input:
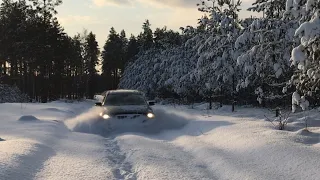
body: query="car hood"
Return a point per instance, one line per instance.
(132, 109)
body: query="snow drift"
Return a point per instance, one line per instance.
(185, 144)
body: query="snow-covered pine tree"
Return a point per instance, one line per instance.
(265, 47)
(158, 70)
(269, 8)
(305, 56)
(217, 61)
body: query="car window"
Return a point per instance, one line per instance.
(120, 99)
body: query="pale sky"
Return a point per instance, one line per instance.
(99, 16)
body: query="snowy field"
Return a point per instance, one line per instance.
(44, 141)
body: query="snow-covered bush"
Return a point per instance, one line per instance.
(281, 120)
(11, 94)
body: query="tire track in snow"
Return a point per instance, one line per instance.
(122, 169)
(160, 159)
(78, 157)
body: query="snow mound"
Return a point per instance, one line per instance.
(303, 132)
(28, 118)
(90, 122)
(307, 137)
(56, 110)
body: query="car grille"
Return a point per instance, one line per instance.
(122, 117)
(128, 116)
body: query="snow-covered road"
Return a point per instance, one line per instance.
(38, 142)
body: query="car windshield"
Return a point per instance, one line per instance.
(120, 99)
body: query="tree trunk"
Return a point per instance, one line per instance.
(220, 98)
(233, 98)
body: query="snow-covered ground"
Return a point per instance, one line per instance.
(42, 141)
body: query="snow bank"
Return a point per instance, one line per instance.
(231, 146)
(28, 118)
(182, 143)
(56, 110)
(47, 149)
(15, 151)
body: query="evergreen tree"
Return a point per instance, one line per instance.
(133, 49)
(46, 8)
(305, 55)
(112, 57)
(91, 61)
(264, 46)
(159, 36)
(164, 38)
(146, 37)
(269, 8)
(124, 50)
(44, 61)
(217, 62)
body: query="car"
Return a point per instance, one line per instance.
(126, 107)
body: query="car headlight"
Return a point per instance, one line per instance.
(150, 115)
(105, 116)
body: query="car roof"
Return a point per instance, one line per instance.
(124, 91)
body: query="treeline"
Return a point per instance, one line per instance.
(39, 57)
(271, 60)
(120, 51)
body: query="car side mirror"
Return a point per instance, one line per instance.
(151, 103)
(98, 104)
